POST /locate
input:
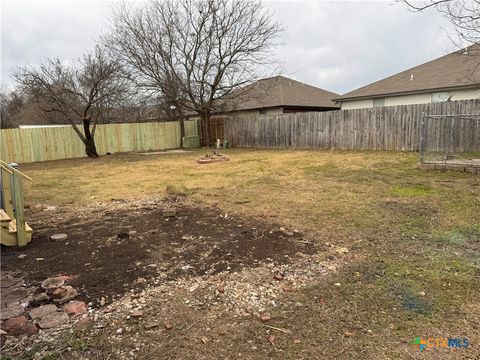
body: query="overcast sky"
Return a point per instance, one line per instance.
(335, 45)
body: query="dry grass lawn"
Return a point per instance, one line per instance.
(418, 233)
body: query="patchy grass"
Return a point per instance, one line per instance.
(413, 190)
(417, 231)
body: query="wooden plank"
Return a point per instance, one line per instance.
(4, 216)
(19, 209)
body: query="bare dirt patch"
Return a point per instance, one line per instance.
(110, 247)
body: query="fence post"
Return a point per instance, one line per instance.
(422, 138)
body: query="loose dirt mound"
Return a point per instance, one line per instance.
(109, 250)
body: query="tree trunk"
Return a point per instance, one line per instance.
(182, 132)
(206, 129)
(90, 148)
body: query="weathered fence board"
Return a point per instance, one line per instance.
(53, 143)
(384, 128)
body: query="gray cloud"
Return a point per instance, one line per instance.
(338, 46)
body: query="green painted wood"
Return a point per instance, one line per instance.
(19, 208)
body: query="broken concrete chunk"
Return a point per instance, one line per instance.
(19, 326)
(68, 294)
(43, 311)
(75, 308)
(11, 311)
(38, 298)
(53, 320)
(136, 313)
(52, 283)
(59, 237)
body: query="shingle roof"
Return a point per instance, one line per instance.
(460, 69)
(280, 91)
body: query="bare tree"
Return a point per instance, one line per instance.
(464, 15)
(10, 105)
(194, 53)
(81, 93)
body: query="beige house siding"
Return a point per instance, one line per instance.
(425, 98)
(357, 104)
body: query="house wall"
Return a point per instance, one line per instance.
(412, 99)
(357, 104)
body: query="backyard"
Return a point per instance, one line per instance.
(274, 254)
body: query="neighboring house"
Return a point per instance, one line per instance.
(279, 95)
(455, 76)
(271, 96)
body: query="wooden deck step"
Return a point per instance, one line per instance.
(4, 216)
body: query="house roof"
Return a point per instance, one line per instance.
(458, 70)
(280, 91)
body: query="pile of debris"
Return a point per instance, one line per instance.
(213, 157)
(25, 310)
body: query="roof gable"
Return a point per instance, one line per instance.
(280, 91)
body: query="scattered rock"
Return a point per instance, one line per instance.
(297, 341)
(19, 326)
(68, 294)
(349, 334)
(338, 284)
(13, 310)
(53, 320)
(119, 331)
(279, 276)
(42, 297)
(341, 250)
(22, 256)
(265, 318)
(422, 293)
(52, 283)
(151, 326)
(221, 288)
(136, 313)
(75, 308)
(39, 259)
(141, 280)
(204, 339)
(168, 213)
(123, 235)
(168, 326)
(58, 293)
(59, 237)
(42, 311)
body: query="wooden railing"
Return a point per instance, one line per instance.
(13, 202)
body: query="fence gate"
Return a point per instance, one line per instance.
(217, 126)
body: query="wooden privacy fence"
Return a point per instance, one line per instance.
(53, 143)
(383, 128)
